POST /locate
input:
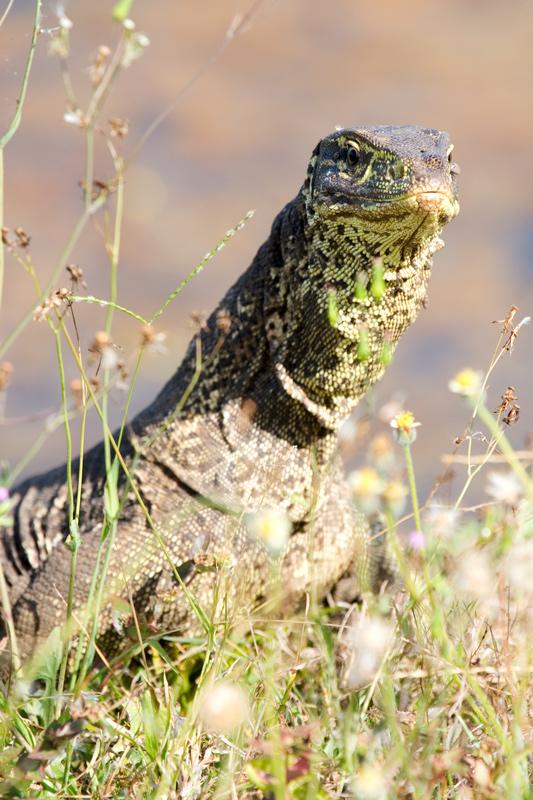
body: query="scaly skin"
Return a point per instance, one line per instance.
(290, 350)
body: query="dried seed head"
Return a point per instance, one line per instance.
(224, 320)
(76, 274)
(76, 390)
(152, 339)
(98, 67)
(118, 128)
(103, 347)
(23, 240)
(54, 302)
(198, 320)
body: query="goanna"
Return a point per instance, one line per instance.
(249, 421)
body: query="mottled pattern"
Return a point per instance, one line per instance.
(293, 346)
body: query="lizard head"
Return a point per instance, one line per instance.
(366, 176)
(375, 201)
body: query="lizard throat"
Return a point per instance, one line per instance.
(364, 286)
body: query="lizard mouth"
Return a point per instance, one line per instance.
(437, 202)
(433, 202)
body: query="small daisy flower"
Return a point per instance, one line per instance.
(367, 487)
(505, 487)
(224, 707)
(4, 494)
(467, 382)
(272, 527)
(404, 427)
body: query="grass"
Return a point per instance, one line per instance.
(419, 690)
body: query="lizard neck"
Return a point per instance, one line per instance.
(309, 327)
(292, 347)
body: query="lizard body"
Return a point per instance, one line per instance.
(290, 350)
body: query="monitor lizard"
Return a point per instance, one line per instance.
(292, 347)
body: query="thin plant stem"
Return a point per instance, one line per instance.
(70, 496)
(17, 116)
(412, 485)
(14, 124)
(89, 165)
(199, 267)
(112, 505)
(2, 253)
(6, 12)
(8, 617)
(108, 304)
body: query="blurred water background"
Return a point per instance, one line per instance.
(240, 138)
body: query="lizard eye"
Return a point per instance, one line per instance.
(450, 152)
(352, 155)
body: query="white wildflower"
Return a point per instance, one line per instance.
(135, 46)
(224, 707)
(64, 22)
(518, 566)
(272, 527)
(369, 783)
(467, 382)
(404, 427)
(505, 487)
(74, 117)
(474, 579)
(441, 521)
(368, 641)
